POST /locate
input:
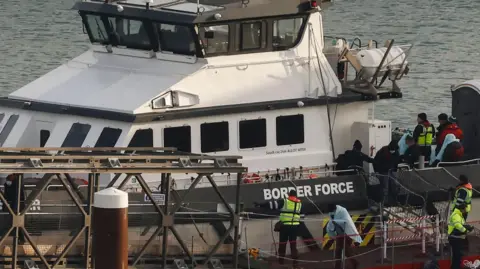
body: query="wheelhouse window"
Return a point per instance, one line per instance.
(108, 137)
(286, 33)
(251, 36)
(118, 31)
(175, 38)
(214, 137)
(44, 136)
(253, 133)
(290, 130)
(142, 138)
(214, 39)
(77, 134)
(178, 137)
(7, 129)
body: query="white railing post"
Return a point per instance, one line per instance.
(384, 239)
(437, 232)
(423, 223)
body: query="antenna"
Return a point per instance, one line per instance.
(198, 6)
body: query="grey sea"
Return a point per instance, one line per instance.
(37, 36)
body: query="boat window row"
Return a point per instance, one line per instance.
(215, 136)
(261, 35)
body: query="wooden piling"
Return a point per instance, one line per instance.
(110, 229)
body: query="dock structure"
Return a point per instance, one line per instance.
(44, 166)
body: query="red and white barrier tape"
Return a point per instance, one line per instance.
(410, 219)
(400, 238)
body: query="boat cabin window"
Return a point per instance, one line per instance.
(178, 137)
(142, 138)
(290, 130)
(253, 133)
(214, 137)
(108, 137)
(44, 136)
(286, 33)
(77, 134)
(7, 129)
(251, 36)
(117, 31)
(175, 38)
(214, 39)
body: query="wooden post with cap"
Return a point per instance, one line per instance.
(110, 229)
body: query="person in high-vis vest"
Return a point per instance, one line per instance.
(290, 213)
(457, 234)
(423, 134)
(463, 195)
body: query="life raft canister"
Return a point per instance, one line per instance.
(251, 178)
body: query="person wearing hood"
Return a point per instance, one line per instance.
(423, 135)
(447, 126)
(462, 195)
(413, 152)
(451, 151)
(386, 160)
(341, 227)
(352, 159)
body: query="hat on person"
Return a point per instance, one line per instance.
(443, 116)
(452, 119)
(422, 116)
(357, 144)
(463, 179)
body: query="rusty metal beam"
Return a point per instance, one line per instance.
(147, 191)
(217, 191)
(138, 169)
(217, 245)
(75, 187)
(114, 180)
(124, 182)
(69, 246)
(71, 194)
(236, 222)
(34, 246)
(46, 179)
(192, 186)
(92, 181)
(145, 246)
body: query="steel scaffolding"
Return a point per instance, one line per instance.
(59, 163)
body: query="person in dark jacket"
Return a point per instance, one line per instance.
(11, 195)
(290, 210)
(423, 135)
(386, 160)
(353, 159)
(412, 153)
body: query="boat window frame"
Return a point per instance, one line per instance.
(264, 33)
(104, 131)
(191, 28)
(264, 133)
(71, 132)
(205, 133)
(300, 33)
(186, 126)
(231, 38)
(277, 133)
(235, 34)
(105, 20)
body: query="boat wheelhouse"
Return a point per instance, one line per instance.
(251, 78)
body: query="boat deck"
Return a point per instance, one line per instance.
(402, 255)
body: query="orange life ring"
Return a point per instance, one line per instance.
(312, 176)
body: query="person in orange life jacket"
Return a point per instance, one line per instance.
(412, 153)
(447, 126)
(386, 159)
(423, 135)
(290, 210)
